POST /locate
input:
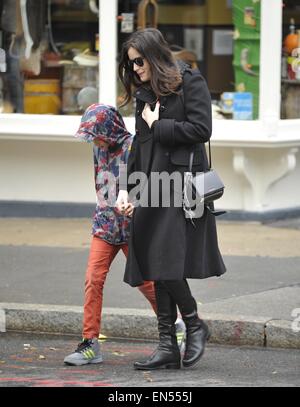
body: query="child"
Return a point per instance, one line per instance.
(104, 126)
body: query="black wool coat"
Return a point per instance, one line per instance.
(164, 244)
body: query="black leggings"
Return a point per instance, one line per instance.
(180, 292)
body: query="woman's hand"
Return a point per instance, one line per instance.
(123, 206)
(150, 116)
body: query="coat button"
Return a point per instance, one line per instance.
(162, 108)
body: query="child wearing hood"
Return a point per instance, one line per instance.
(103, 125)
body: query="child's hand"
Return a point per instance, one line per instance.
(150, 116)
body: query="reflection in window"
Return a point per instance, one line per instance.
(49, 59)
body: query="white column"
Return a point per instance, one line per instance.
(270, 64)
(108, 51)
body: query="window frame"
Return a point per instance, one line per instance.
(269, 124)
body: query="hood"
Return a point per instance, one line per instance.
(103, 122)
(183, 66)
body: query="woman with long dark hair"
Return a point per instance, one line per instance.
(173, 118)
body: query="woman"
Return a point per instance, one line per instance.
(173, 118)
(103, 125)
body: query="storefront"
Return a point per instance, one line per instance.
(247, 51)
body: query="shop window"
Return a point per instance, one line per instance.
(290, 69)
(49, 56)
(220, 37)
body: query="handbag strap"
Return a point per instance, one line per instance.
(192, 158)
(192, 153)
(210, 206)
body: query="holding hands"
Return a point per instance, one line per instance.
(123, 205)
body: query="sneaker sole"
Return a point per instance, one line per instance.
(87, 362)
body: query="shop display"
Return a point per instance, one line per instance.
(200, 32)
(55, 43)
(39, 39)
(76, 78)
(42, 96)
(247, 49)
(147, 14)
(291, 54)
(22, 24)
(291, 40)
(290, 66)
(239, 105)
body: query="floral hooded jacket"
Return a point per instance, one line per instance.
(105, 123)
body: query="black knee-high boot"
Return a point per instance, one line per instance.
(197, 332)
(167, 354)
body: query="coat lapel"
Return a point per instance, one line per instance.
(145, 95)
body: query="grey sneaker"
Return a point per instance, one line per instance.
(88, 351)
(181, 334)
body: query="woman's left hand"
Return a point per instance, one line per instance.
(150, 116)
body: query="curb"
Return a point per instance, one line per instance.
(235, 330)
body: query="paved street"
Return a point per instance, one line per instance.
(41, 365)
(43, 261)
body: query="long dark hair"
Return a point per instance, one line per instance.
(165, 74)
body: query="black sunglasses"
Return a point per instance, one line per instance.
(138, 61)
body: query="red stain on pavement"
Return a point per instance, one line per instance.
(55, 383)
(18, 367)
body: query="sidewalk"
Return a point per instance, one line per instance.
(257, 302)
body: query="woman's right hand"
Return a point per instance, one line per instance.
(123, 205)
(150, 116)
